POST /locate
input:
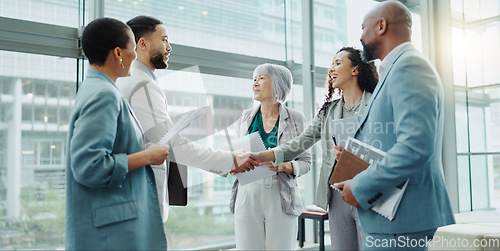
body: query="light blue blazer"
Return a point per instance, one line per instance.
(106, 206)
(405, 119)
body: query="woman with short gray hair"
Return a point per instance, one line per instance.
(354, 80)
(266, 211)
(282, 80)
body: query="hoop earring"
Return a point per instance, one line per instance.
(121, 63)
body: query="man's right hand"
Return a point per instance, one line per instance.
(243, 162)
(263, 156)
(338, 151)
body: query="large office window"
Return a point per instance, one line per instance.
(252, 27)
(476, 35)
(46, 11)
(216, 46)
(36, 97)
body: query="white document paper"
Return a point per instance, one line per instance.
(184, 121)
(251, 143)
(345, 128)
(388, 204)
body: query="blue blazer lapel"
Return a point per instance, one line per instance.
(374, 95)
(380, 83)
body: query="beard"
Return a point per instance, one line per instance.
(368, 53)
(156, 59)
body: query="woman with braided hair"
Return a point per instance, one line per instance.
(354, 80)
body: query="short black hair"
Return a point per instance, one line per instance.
(101, 36)
(143, 26)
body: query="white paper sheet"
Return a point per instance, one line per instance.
(184, 121)
(388, 204)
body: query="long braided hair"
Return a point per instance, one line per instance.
(367, 76)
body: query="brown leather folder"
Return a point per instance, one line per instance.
(347, 167)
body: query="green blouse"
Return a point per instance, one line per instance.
(270, 139)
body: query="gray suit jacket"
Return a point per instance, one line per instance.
(405, 119)
(320, 128)
(291, 124)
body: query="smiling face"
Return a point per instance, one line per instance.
(341, 71)
(262, 88)
(160, 48)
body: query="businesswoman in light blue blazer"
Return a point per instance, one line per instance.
(266, 211)
(356, 80)
(111, 197)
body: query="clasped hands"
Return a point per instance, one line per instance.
(246, 161)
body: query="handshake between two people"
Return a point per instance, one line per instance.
(246, 161)
(243, 161)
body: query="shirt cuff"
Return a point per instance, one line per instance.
(296, 171)
(120, 170)
(278, 156)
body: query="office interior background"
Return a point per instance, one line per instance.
(216, 46)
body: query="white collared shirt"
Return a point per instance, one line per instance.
(388, 59)
(150, 71)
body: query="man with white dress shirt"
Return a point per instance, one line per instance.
(149, 103)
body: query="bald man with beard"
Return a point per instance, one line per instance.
(408, 105)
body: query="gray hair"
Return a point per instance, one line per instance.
(281, 77)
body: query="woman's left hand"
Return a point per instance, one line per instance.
(286, 167)
(338, 151)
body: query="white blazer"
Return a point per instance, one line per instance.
(149, 103)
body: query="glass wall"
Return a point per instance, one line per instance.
(37, 93)
(252, 27)
(43, 11)
(476, 35)
(36, 97)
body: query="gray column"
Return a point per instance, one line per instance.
(96, 8)
(14, 155)
(308, 87)
(308, 92)
(437, 41)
